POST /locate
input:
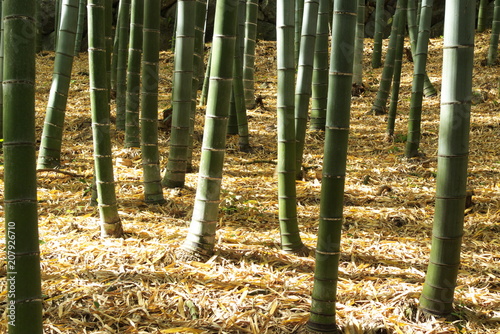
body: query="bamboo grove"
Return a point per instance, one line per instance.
(319, 56)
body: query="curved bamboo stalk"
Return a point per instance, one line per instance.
(453, 152)
(52, 134)
(24, 295)
(322, 318)
(200, 241)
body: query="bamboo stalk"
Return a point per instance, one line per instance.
(24, 296)
(322, 318)
(453, 151)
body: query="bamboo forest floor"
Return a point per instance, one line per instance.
(136, 284)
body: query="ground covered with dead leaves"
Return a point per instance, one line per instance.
(136, 284)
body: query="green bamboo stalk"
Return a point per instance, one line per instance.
(378, 34)
(153, 192)
(199, 48)
(415, 116)
(104, 178)
(414, 31)
(495, 32)
(114, 57)
(206, 81)
(287, 200)
(419, 5)
(481, 16)
(200, 241)
(182, 96)
(198, 69)
(122, 37)
(81, 24)
(299, 15)
(24, 295)
(240, 42)
(38, 16)
(303, 86)
(232, 124)
(320, 68)
(453, 152)
(322, 318)
(357, 78)
(2, 38)
(235, 102)
(398, 60)
(108, 30)
(132, 132)
(238, 90)
(249, 53)
(57, 21)
(379, 106)
(52, 134)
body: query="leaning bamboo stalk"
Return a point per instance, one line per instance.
(322, 318)
(51, 143)
(200, 241)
